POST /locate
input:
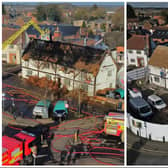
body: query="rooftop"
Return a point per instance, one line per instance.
(69, 55)
(137, 42)
(159, 57)
(160, 34)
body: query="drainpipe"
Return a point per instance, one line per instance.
(94, 92)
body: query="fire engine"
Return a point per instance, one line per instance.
(19, 148)
(114, 125)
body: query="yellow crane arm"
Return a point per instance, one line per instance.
(23, 28)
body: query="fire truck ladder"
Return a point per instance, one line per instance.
(23, 28)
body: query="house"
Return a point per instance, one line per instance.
(160, 34)
(138, 50)
(160, 19)
(158, 67)
(12, 54)
(79, 23)
(56, 32)
(100, 25)
(91, 42)
(72, 65)
(132, 23)
(118, 54)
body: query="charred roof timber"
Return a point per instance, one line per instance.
(66, 54)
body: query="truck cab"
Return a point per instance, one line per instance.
(60, 110)
(114, 125)
(19, 148)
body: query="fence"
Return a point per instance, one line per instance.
(151, 131)
(137, 74)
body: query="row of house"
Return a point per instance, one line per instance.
(74, 66)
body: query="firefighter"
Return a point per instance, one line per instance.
(49, 138)
(63, 157)
(13, 109)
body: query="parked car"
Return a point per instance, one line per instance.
(156, 102)
(7, 101)
(42, 109)
(116, 94)
(140, 108)
(60, 110)
(134, 92)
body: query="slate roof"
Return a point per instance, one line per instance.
(66, 30)
(160, 34)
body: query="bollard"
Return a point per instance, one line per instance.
(150, 138)
(163, 139)
(137, 133)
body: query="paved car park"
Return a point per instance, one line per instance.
(160, 117)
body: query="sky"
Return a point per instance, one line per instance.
(73, 3)
(149, 4)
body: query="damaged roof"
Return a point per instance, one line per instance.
(69, 55)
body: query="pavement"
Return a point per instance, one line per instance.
(144, 152)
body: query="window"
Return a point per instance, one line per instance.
(110, 85)
(26, 63)
(47, 65)
(67, 82)
(84, 87)
(109, 73)
(130, 51)
(3, 55)
(138, 52)
(132, 60)
(48, 77)
(156, 79)
(29, 73)
(11, 46)
(15, 152)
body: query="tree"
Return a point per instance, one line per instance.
(84, 24)
(130, 12)
(164, 13)
(3, 9)
(118, 19)
(49, 12)
(94, 7)
(41, 13)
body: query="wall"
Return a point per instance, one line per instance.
(12, 49)
(155, 72)
(102, 79)
(134, 56)
(156, 132)
(56, 71)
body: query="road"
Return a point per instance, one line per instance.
(145, 152)
(91, 125)
(158, 117)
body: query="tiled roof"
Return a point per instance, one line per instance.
(137, 42)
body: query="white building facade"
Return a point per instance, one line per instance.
(74, 78)
(137, 58)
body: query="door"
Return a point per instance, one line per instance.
(140, 62)
(12, 58)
